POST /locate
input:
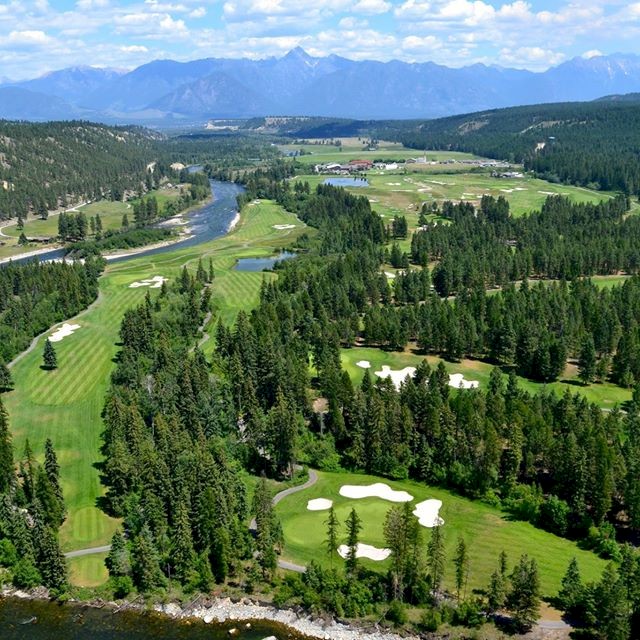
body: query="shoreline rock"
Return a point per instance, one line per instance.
(223, 610)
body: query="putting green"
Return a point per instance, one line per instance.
(486, 531)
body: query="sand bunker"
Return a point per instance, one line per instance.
(282, 227)
(390, 274)
(458, 381)
(152, 283)
(363, 364)
(62, 332)
(365, 551)
(427, 513)
(377, 490)
(520, 189)
(319, 504)
(398, 376)
(507, 190)
(547, 193)
(394, 184)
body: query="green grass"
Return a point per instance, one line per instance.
(605, 395)
(88, 571)
(320, 154)
(110, 214)
(65, 404)
(398, 193)
(486, 530)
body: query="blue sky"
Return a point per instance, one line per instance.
(41, 35)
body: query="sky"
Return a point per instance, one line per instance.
(37, 36)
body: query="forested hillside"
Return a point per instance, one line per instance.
(45, 166)
(590, 144)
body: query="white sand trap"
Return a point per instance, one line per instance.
(62, 332)
(319, 504)
(365, 551)
(377, 490)
(458, 381)
(427, 513)
(390, 274)
(363, 364)
(282, 227)
(394, 184)
(152, 283)
(547, 193)
(507, 190)
(423, 189)
(397, 376)
(520, 189)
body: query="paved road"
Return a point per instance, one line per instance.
(88, 552)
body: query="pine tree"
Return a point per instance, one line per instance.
(436, 558)
(331, 540)
(49, 356)
(53, 470)
(524, 596)
(117, 562)
(354, 526)
(51, 562)
(461, 562)
(125, 221)
(7, 472)
(145, 563)
(201, 274)
(612, 608)
(6, 381)
(587, 360)
(182, 554)
(51, 506)
(211, 275)
(571, 590)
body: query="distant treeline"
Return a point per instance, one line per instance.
(588, 144)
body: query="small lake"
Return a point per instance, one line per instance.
(261, 264)
(347, 182)
(79, 622)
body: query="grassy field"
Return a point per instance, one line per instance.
(398, 193)
(110, 213)
(605, 395)
(486, 531)
(65, 404)
(354, 149)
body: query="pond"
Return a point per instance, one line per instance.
(347, 182)
(262, 264)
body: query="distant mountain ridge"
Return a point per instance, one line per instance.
(300, 84)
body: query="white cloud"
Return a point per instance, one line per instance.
(353, 23)
(371, 7)
(134, 48)
(200, 12)
(531, 57)
(592, 53)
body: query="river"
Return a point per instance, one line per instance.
(22, 619)
(206, 223)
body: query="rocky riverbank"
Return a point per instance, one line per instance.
(225, 610)
(246, 610)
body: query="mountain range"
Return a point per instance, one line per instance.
(166, 91)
